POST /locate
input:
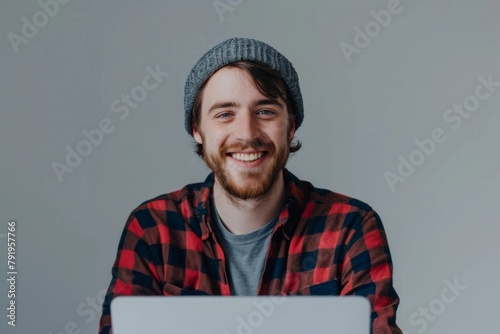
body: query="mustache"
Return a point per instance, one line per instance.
(256, 145)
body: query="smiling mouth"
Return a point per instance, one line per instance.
(247, 157)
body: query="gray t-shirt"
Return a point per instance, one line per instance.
(245, 254)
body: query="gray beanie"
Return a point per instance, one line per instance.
(233, 50)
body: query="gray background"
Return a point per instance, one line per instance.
(360, 116)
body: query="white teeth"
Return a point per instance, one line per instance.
(247, 157)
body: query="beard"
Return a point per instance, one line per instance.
(248, 183)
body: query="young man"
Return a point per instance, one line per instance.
(252, 227)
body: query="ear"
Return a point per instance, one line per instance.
(197, 135)
(291, 132)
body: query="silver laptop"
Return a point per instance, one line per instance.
(240, 315)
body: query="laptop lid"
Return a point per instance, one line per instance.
(240, 315)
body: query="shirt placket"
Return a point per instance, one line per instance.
(218, 254)
(275, 242)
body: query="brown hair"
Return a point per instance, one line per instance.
(267, 81)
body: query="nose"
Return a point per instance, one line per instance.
(246, 127)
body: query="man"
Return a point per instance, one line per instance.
(252, 227)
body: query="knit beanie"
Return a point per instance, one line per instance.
(237, 49)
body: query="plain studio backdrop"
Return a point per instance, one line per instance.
(402, 108)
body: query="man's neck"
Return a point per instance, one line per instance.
(245, 216)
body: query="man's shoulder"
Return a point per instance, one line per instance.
(323, 197)
(173, 199)
(330, 197)
(330, 210)
(177, 211)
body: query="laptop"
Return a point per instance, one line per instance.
(240, 315)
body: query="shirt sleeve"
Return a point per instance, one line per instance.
(133, 271)
(367, 271)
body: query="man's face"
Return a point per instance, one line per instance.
(245, 135)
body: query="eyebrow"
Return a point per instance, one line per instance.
(228, 104)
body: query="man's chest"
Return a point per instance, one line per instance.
(284, 270)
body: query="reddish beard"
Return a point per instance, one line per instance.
(257, 182)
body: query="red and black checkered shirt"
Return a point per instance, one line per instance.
(324, 243)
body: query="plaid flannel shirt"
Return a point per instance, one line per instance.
(324, 243)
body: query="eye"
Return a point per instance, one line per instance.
(221, 115)
(266, 111)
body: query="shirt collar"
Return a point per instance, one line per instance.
(296, 196)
